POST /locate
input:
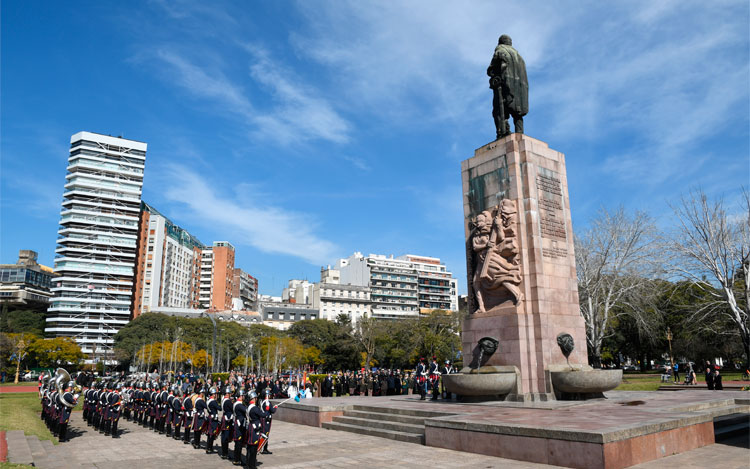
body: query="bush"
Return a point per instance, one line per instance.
(219, 376)
(315, 379)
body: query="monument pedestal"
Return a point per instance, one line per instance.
(526, 171)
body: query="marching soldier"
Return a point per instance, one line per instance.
(213, 424)
(169, 410)
(163, 408)
(177, 410)
(114, 401)
(254, 416)
(435, 378)
(239, 411)
(199, 420)
(421, 378)
(227, 420)
(268, 409)
(187, 419)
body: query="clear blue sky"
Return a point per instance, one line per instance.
(304, 131)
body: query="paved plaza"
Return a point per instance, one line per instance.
(300, 446)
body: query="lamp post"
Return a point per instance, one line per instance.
(669, 340)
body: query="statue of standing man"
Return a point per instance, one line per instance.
(510, 87)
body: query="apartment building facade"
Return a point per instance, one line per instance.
(168, 267)
(244, 291)
(216, 277)
(26, 281)
(97, 241)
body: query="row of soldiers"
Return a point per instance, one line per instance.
(237, 417)
(57, 405)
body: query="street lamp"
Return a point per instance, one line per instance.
(213, 339)
(669, 340)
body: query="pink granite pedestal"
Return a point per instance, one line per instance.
(527, 171)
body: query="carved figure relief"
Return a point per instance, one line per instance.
(493, 258)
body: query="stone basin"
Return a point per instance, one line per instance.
(487, 382)
(586, 381)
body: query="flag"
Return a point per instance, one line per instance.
(296, 398)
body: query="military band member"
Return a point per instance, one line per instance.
(213, 425)
(199, 419)
(270, 410)
(447, 370)
(239, 411)
(68, 400)
(435, 378)
(227, 422)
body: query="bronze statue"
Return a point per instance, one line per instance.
(510, 87)
(492, 252)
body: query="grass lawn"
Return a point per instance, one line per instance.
(11, 465)
(20, 411)
(651, 381)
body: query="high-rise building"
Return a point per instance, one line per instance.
(244, 291)
(25, 281)
(96, 251)
(217, 276)
(168, 265)
(400, 287)
(436, 286)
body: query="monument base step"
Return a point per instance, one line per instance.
(382, 433)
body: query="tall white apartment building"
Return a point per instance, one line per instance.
(168, 266)
(401, 287)
(96, 252)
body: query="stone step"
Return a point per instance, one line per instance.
(390, 434)
(19, 451)
(410, 412)
(718, 412)
(385, 416)
(48, 445)
(382, 424)
(37, 450)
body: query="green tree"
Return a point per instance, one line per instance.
(56, 352)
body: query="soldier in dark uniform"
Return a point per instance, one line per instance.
(214, 424)
(103, 396)
(227, 421)
(67, 402)
(114, 401)
(435, 378)
(169, 411)
(187, 417)
(199, 420)
(269, 409)
(447, 370)
(176, 412)
(421, 379)
(239, 411)
(254, 428)
(163, 408)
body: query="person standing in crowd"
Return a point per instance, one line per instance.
(227, 420)
(239, 411)
(709, 375)
(676, 372)
(447, 369)
(213, 426)
(718, 385)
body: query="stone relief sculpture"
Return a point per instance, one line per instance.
(493, 258)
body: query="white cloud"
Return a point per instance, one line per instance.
(298, 113)
(358, 162)
(242, 219)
